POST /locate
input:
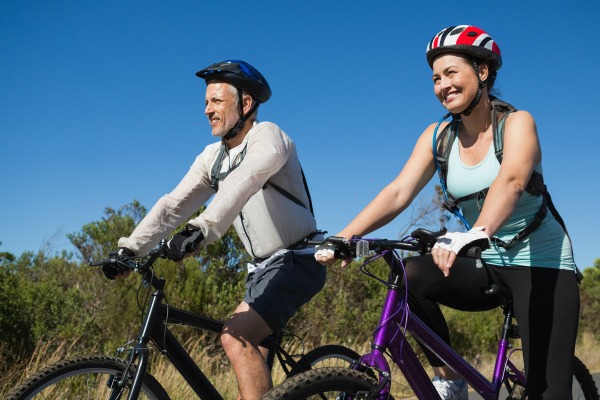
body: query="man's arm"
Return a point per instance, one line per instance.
(172, 209)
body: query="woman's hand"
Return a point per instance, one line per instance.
(450, 245)
(326, 255)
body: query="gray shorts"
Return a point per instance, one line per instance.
(288, 281)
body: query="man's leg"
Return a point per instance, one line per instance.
(240, 338)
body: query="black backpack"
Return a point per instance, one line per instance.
(442, 145)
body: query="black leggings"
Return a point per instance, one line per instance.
(546, 305)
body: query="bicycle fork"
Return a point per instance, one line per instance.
(138, 357)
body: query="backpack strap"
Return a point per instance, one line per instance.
(500, 111)
(442, 145)
(216, 175)
(536, 185)
(441, 151)
(292, 197)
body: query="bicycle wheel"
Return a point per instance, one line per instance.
(331, 355)
(84, 378)
(584, 386)
(324, 383)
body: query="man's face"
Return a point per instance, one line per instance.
(222, 107)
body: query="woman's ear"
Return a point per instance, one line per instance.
(484, 71)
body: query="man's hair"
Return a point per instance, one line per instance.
(234, 92)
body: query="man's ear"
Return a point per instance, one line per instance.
(247, 101)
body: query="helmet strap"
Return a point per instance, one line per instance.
(233, 132)
(481, 85)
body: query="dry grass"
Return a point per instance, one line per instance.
(214, 363)
(46, 353)
(588, 350)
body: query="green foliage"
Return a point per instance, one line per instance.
(41, 298)
(4, 255)
(474, 334)
(65, 300)
(97, 239)
(347, 308)
(590, 299)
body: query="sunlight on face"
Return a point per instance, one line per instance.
(455, 83)
(222, 107)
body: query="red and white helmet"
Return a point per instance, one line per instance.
(465, 39)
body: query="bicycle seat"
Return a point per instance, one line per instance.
(500, 291)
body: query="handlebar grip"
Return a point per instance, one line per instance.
(330, 239)
(427, 235)
(474, 252)
(101, 263)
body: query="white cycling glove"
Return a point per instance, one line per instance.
(325, 250)
(457, 241)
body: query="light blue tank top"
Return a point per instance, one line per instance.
(548, 246)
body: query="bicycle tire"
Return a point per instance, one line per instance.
(324, 383)
(584, 386)
(82, 378)
(330, 355)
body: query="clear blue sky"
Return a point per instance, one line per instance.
(99, 104)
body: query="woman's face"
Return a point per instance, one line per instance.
(455, 83)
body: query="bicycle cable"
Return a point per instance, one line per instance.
(402, 324)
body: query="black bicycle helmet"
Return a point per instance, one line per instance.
(242, 76)
(239, 74)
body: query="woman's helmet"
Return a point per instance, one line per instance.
(473, 42)
(465, 39)
(239, 74)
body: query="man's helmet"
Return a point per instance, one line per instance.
(239, 74)
(465, 39)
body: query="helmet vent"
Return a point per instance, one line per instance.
(457, 30)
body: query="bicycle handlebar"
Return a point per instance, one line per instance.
(123, 263)
(420, 240)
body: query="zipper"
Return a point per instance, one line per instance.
(243, 221)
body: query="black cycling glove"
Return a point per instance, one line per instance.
(111, 271)
(183, 243)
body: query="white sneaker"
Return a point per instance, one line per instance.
(451, 390)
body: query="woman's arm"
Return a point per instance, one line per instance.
(397, 195)
(521, 154)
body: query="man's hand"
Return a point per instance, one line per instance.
(453, 244)
(114, 271)
(184, 243)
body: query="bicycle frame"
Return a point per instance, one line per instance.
(390, 334)
(154, 328)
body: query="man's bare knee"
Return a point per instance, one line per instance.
(232, 343)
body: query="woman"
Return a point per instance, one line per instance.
(505, 201)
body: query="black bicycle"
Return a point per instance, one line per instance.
(125, 376)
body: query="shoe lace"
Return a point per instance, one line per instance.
(445, 389)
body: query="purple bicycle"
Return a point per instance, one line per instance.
(369, 377)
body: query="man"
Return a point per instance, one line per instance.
(259, 187)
